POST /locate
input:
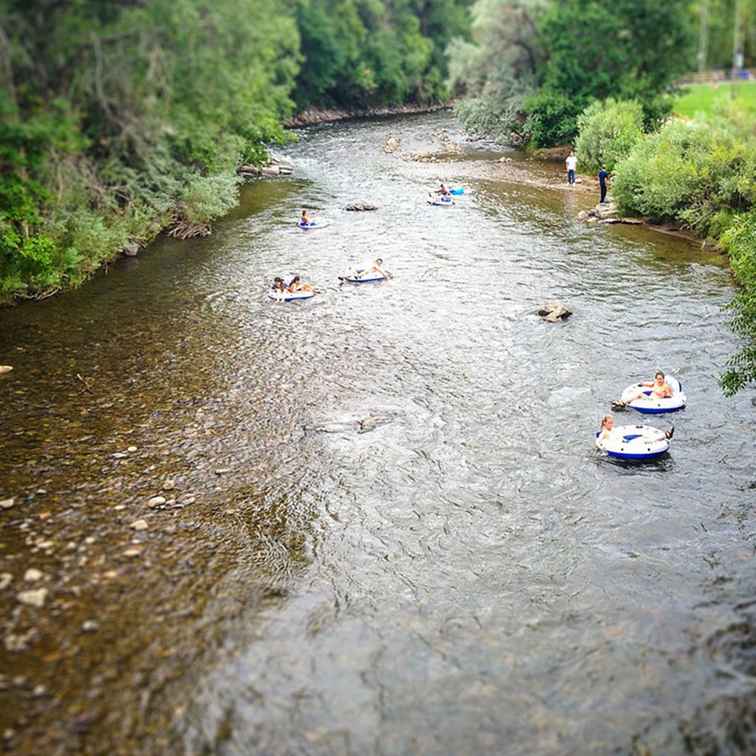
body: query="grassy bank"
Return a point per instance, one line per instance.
(706, 99)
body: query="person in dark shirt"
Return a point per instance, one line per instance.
(602, 177)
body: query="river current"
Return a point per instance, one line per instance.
(464, 573)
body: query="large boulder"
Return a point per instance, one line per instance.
(553, 312)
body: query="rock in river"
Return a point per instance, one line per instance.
(139, 525)
(553, 312)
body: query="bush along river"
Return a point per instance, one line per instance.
(375, 522)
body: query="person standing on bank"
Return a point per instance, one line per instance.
(602, 177)
(571, 168)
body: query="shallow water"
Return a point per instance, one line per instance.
(469, 576)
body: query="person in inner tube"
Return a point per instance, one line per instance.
(375, 267)
(296, 285)
(444, 192)
(305, 220)
(660, 389)
(607, 427)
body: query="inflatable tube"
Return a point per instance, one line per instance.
(290, 296)
(650, 405)
(457, 191)
(634, 442)
(368, 276)
(312, 225)
(441, 203)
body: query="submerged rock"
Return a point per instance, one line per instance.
(361, 207)
(553, 312)
(392, 144)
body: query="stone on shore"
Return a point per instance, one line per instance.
(7, 503)
(33, 598)
(5, 369)
(32, 575)
(131, 250)
(553, 312)
(156, 501)
(139, 525)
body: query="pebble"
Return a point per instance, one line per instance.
(90, 540)
(119, 507)
(7, 503)
(5, 369)
(132, 449)
(33, 598)
(132, 552)
(139, 525)
(90, 626)
(223, 470)
(39, 691)
(120, 455)
(169, 485)
(5, 580)
(32, 575)
(156, 501)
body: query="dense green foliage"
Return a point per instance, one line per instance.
(565, 55)
(362, 53)
(702, 175)
(607, 132)
(119, 119)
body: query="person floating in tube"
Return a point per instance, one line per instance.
(660, 389)
(607, 427)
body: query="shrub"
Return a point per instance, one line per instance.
(607, 133)
(689, 173)
(740, 243)
(552, 118)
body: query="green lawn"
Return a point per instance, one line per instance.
(702, 98)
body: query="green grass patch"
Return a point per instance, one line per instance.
(705, 99)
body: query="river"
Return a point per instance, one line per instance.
(468, 575)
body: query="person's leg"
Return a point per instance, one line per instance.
(603, 192)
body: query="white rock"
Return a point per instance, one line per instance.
(5, 580)
(156, 501)
(139, 525)
(32, 575)
(90, 626)
(5, 369)
(132, 552)
(33, 598)
(132, 449)
(7, 503)
(169, 485)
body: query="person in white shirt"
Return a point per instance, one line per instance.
(571, 168)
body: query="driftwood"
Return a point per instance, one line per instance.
(184, 230)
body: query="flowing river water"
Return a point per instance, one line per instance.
(463, 573)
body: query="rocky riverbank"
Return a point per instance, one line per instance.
(317, 116)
